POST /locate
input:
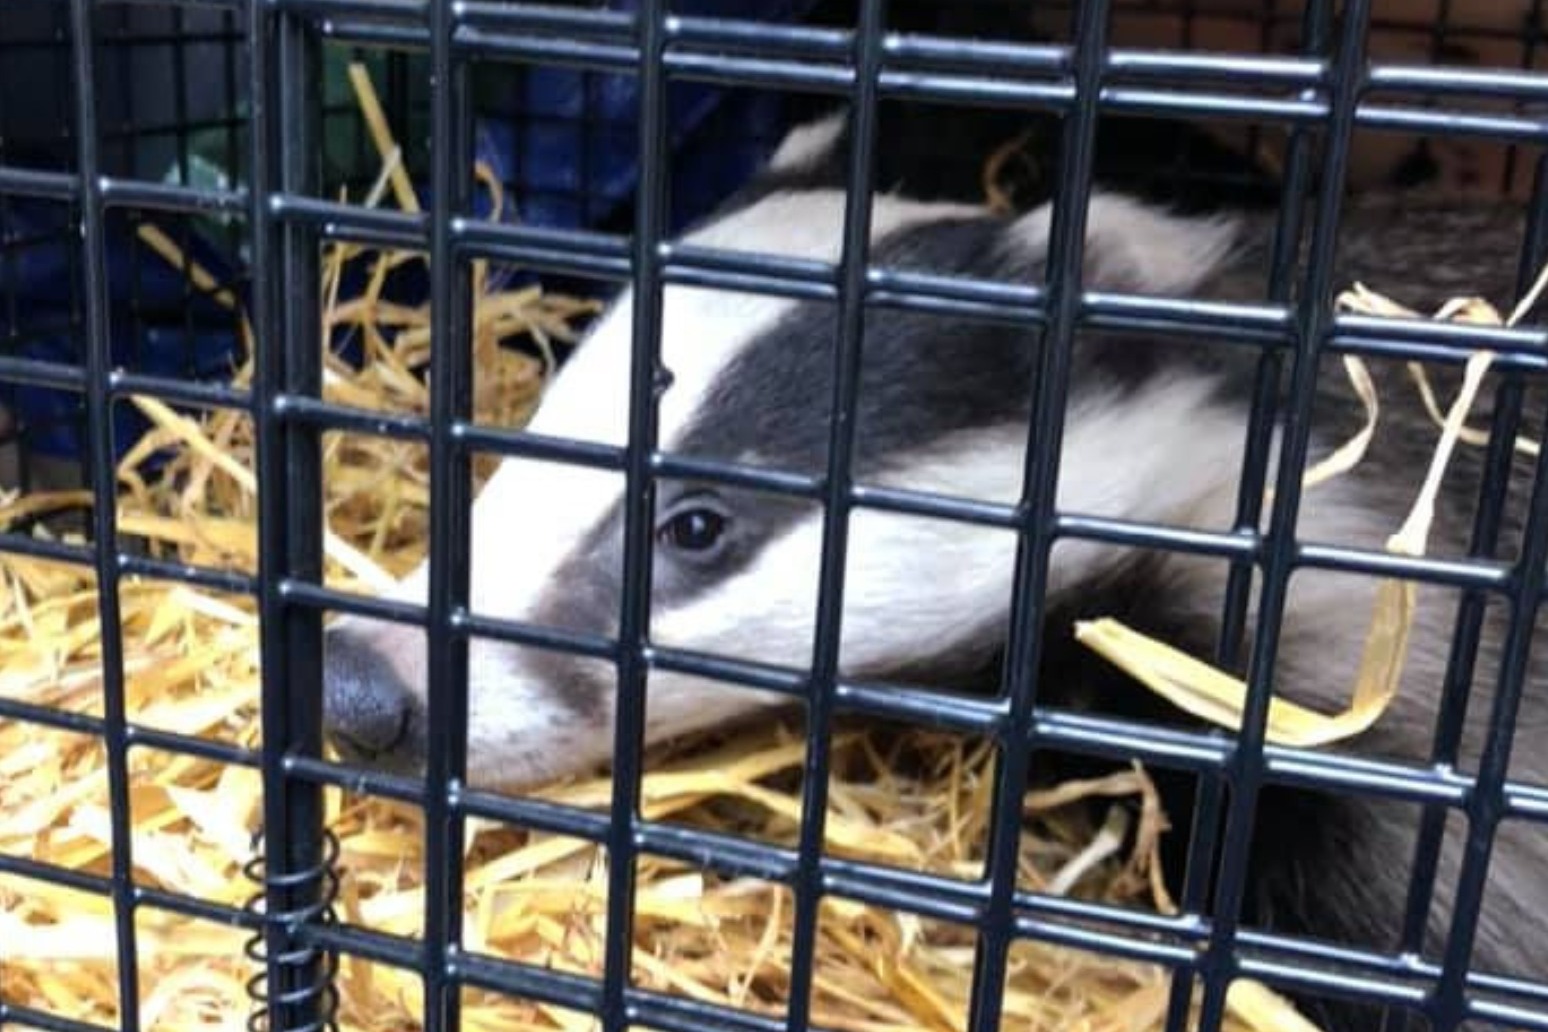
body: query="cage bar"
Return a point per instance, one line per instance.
(1080, 82)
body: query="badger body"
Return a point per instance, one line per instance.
(1155, 430)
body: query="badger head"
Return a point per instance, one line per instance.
(943, 408)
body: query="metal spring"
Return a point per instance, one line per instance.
(314, 991)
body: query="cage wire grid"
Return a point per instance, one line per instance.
(1077, 82)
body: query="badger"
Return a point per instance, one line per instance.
(1156, 430)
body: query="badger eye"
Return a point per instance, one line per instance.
(698, 529)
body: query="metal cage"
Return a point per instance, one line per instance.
(84, 157)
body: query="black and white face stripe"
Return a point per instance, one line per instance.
(943, 407)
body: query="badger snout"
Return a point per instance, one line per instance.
(369, 713)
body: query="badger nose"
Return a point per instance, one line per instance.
(368, 711)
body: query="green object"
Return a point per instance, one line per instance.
(217, 157)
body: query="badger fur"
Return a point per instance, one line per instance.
(1155, 431)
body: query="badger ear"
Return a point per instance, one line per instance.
(811, 145)
(1133, 247)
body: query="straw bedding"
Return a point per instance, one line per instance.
(909, 798)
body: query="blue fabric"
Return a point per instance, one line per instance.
(157, 323)
(576, 156)
(567, 139)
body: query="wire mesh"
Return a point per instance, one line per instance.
(266, 66)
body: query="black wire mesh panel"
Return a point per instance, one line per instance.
(105, 173)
